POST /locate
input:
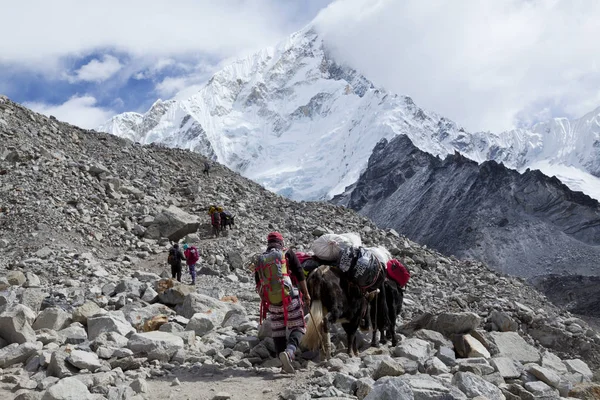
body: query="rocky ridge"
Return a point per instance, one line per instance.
(85, 310)
(521, 224)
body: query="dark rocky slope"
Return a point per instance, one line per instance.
(521, 224)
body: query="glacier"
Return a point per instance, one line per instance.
(294, 120)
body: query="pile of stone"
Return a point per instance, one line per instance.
(86, 306)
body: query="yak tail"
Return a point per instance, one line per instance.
(312, 339)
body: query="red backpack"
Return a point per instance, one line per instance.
(397, 272)
(191, 254)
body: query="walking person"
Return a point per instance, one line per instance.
(276, 270)
(206, 168)
(174, 259)
(191, 258)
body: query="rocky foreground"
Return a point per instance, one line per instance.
(86, 310)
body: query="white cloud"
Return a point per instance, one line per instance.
(486, 64)
(78, 110)
(138, 27)
(97, 71)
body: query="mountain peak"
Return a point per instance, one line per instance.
(295, 120)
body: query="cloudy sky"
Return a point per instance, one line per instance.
(488, 65)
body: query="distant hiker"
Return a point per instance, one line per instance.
(276, 270)
(215, 221)
(206, 168)
(174, 260)
(191, 258)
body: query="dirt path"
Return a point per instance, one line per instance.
(204, 384)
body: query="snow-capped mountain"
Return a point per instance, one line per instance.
(302, 125)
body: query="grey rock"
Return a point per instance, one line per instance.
(139, 386)
(345, 383)
(85, 311)
(503, 321)
(18, 353)
(390, 389)
(51, 318)
(173, 223)
(74, 334)
(579, 367)
(84, 360)
(512, 345)
(507, 367)
(426, 387)
(454, 323)
(111, 322)
(415, 349)
(155, 345)
(387, 368)
(16, 278)
(473, 386)
(15, 324)
(364, 387)
(67, 389)
(58, 366)
(541, 390)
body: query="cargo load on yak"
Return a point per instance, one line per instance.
(397, 272)
(362, 267)
(309, 262)
(328, 247)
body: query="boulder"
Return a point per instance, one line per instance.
(173, 223)
(16, 278)
(507, 367)
(454, 323)
(540, 390)
(18, 353)
(84, 360)
(202, 323)
(503, 322)
(427, 387)
(512, 345)
(52, 318)
(345, 383)
(68, 389)
(33, 281)
(74, 334)
(85, 311)
(390, 389)
(473, 386)
(15, 324)
(58, 365)
(198, 303)
(552, 361)
(33, 298)
(388, 368)
(433, 336)
(545, 375)
(175, 295)
(579, 367)
(235, 318)
(111, 322)
(468, 346)
(155, 345)
(363, 387)
(415, 349)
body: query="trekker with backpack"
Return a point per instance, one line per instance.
(276, 270)
(206, 168)
(191, 258)
(215, 220)
(174, 260)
